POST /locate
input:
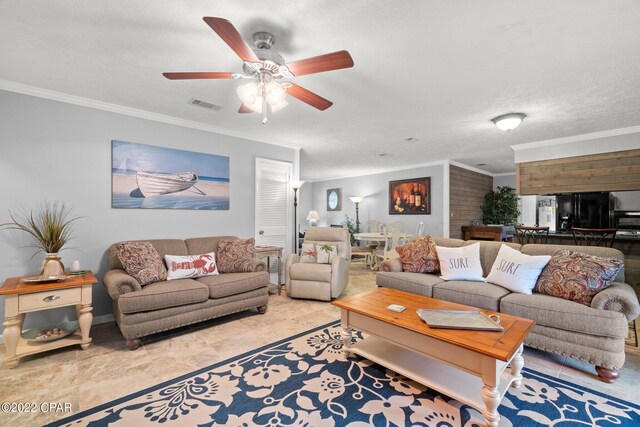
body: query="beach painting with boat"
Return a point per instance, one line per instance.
(150, 177)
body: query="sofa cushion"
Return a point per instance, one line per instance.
(516, 271)
(164, 294)
(476, 294)
(577, 276)
(141, 261)
(567, 315)
(224, 285)
(460, 263)
(202, 245)
(419, 256)
(235, 255)
(306, 271)
(417, 283)
(191, 266)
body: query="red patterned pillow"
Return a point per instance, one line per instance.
(235, 255)
(420, 256)
(182, 267)
(576, 276)
(141, 261)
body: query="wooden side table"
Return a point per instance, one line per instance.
(268, 251)
(22, 298)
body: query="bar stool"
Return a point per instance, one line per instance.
(594, 236)
(528, 235)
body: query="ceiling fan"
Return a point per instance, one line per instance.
(265, 67)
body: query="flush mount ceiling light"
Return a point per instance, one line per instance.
(508, 122)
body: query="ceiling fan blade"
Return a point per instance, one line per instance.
(245, 109)
(309, 97)
(319, 64)
(182, 76)
(232, 37)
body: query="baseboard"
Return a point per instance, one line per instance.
(96, 321)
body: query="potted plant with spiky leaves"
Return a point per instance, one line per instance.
(51, 226)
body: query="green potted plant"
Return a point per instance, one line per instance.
(351, 228)
(500, 207)
(51, 226)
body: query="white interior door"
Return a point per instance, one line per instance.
(273, 205)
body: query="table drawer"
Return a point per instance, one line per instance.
(47, 299)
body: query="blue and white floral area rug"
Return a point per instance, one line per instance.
(306, 381)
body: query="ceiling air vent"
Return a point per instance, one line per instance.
(204, 104)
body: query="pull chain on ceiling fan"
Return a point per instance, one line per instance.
(266, 67)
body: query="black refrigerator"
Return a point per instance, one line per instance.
(585, 210)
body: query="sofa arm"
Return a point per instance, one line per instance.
(291, 259)
(259, 264)
(339, 275)
(118, 282)
(391, 264)
(618, 297)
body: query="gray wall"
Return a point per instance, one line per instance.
(57, 151)
(375, 189)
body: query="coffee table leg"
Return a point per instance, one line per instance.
(346, 342)
(491, 398)
(11, 335)
(516, 367)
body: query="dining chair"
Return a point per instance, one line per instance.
(594, 236)
(528, 235)
(399, 225)
(371, 226)
(393, 240)
(420, 229)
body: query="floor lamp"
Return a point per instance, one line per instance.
(295, 185)
(357, 200)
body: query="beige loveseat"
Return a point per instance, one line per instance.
(595, 334)
(320, 281)
(145, 310)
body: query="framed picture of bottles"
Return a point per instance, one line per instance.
(410, 196)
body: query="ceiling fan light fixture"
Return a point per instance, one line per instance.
(508, 122)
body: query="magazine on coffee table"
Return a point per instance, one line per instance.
(460, 319)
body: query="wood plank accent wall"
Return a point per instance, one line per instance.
(616, 171)
(466, 194)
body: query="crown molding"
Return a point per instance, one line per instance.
(379, 171)
(134, 112)
(471, 168)
(504, 174)
(577, 138)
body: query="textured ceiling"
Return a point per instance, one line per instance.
(437, 71)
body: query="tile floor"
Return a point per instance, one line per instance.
(107, 370)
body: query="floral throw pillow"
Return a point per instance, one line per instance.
(141, 261)
(576, 276)
(419, 256)
(235, 255)
(308, 253)
(325, 253)
(183, 267)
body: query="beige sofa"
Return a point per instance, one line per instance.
(595, 334)
(320, 281)
(145, 310)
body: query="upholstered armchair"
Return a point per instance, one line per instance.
(305, 278)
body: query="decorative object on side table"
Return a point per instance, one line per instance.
(51, 226)
(410, 196)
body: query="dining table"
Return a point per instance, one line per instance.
(381, 239)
